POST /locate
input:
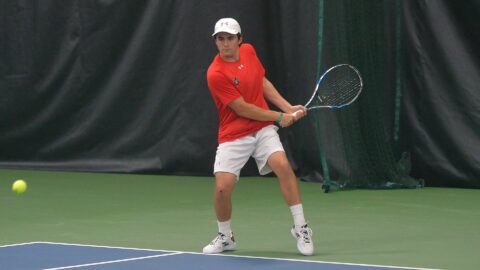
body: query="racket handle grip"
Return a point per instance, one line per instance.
(295, 114)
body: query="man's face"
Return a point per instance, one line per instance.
(228, 45)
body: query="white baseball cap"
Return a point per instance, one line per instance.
(228, 25)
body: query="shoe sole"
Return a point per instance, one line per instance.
(298, 246)
(229, 248)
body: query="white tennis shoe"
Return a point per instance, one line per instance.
(220, 243)
(303, 235)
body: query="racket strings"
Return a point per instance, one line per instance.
(339, 87)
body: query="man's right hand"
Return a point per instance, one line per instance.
(290, 118)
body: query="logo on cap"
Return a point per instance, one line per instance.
(227, 25)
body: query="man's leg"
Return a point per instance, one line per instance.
(278, 162)
(222, 196)
(222, 201)
(230, 159)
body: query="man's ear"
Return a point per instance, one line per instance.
(240, 40)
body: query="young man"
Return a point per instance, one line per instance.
(237, 82)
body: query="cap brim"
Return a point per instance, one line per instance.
(225, 31)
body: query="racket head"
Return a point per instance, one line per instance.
(338, 87)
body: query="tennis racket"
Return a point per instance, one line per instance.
(338, 87)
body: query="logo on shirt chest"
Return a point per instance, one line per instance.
(236, 82)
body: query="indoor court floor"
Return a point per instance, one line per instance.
(68, 220)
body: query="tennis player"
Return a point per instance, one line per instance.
(237, 82)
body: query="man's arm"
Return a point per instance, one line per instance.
(271, 94)
(251, 111)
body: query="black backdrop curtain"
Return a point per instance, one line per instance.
(442, 90)
(119, 86)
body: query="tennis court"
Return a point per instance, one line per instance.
(420, 228)
(56, 256)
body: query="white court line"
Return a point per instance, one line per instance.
(115, 261)
(19, 244)
(239, 256)
(324, 262)
(100, 246)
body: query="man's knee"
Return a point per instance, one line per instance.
(224, 183)
(279, 163)
(223, 189)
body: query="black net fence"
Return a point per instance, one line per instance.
(358, 144)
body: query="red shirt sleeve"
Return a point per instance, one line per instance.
(251, 50)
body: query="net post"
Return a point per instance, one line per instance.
(326, 173)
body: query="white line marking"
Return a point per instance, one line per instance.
(19, 244)
(99, 246)
(322, 262)
(114, 261)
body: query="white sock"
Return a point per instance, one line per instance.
(298, 217)
(224, 227)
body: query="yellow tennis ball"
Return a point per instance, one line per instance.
(19, 186)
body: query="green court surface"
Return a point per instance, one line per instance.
(429, 227)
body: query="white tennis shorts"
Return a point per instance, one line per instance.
(232, 156)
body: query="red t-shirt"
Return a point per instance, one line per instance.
(228, 81)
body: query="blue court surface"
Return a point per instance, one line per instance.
(50, 256)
